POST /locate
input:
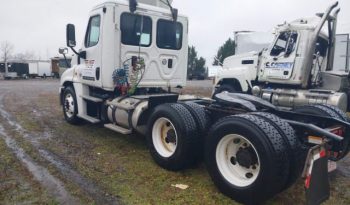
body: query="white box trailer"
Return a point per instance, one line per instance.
(341, 54)
(248, 41)
(40, 69)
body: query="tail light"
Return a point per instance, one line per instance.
(338, 131)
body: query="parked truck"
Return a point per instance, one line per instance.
(295, 69)
(134, 53)
(59, 64)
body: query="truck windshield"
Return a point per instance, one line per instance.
(169, 34)
(286, 42)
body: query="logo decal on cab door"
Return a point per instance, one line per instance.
(279, 65)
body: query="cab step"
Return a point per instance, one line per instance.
(92, 99)
(89, 119)
(119, 129)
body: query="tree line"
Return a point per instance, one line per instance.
(197, 68)
(7, 53)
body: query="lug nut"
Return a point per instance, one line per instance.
(249, 175)
(236, 141)
(233, 160)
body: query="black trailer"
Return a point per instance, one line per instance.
(21, 69)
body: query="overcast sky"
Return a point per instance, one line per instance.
(39, 25)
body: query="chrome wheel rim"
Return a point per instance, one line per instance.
(69, 105)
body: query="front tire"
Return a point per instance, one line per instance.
(70, 106)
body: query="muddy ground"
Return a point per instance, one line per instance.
(44, 160)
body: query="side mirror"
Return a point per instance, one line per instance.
(71, 36)
(63, 51)
(132, 5)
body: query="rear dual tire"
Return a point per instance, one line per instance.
(243, 153)
(262, 154)
(173, 137)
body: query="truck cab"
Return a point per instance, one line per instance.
(128, 49)
(115, 36)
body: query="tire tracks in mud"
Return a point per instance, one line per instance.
(54, 186)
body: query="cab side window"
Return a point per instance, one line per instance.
(136, 30)
(93, 32)
(286, 43)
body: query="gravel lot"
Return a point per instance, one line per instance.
(44, 160)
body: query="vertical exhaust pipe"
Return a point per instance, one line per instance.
(332, 34)
(307, 65)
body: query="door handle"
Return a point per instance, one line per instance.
(170, 63)
(97, 73)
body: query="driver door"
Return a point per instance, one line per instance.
(91, 72)
(279, 62)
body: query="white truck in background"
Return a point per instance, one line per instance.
(40, 69)
(296, 69)
(122, 76)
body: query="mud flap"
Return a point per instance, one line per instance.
(316, 176)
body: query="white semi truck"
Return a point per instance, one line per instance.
(133, 54)
(295, 69)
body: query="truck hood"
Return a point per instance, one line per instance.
(242, 60)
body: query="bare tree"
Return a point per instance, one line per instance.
(6, 50)
(26, 56)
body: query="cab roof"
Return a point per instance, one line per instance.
(141, 6)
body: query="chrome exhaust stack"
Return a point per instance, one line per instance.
(307, 65)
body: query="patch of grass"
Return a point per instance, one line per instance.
(16, 183)
(122, 165)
